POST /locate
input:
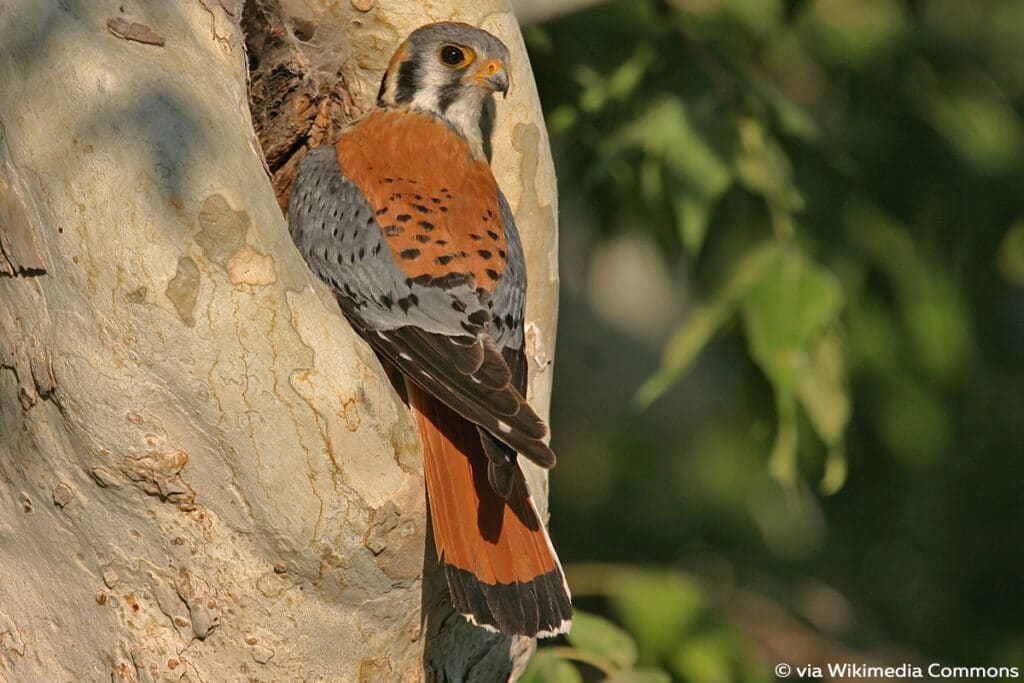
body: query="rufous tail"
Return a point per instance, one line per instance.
(502, 571)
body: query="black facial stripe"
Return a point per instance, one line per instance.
(408, 81)
(450, 92)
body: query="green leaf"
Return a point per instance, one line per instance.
(785, 312)
(834, 477)
(913, 423)
(935, 315)
(784, 317)
(562, 119)
(692, 216)
(546, 667)
(731, 18)
(939, 324)
(656, 607)
(782, 460)
(1010, 258)
(705, 321)
(825, 399)
(793, 119)
(763, 167)
(852, 33)
(683, 149)
(627, 77)
(600, 636)
(706, 658)
(646, 675)
(980, 125)
(790, 519)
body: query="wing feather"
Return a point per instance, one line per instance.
(463, 347)
(485, 397)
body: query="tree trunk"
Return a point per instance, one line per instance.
(204, 474)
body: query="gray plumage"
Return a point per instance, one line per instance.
(459, 343)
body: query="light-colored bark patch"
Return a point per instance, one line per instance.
(221, 229)
(183, 290)
(250, 267)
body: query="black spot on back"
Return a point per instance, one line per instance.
(405, 303)
(450, 280)
(409, 254)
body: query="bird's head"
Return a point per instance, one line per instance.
(447, 69)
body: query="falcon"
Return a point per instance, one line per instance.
(404, 220)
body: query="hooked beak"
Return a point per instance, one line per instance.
(493, 76)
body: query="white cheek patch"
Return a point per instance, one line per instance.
(430, 85)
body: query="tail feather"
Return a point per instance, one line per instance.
(501, 568)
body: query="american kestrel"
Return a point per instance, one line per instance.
(405, 221)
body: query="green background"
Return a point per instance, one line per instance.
(789, 389)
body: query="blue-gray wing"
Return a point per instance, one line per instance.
(507, 307)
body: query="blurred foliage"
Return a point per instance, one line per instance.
(669, 631)
(841, 185)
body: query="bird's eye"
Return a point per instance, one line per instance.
(453, 55)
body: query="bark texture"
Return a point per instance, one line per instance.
(204, 474)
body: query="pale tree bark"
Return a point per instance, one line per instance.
(204, 474)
